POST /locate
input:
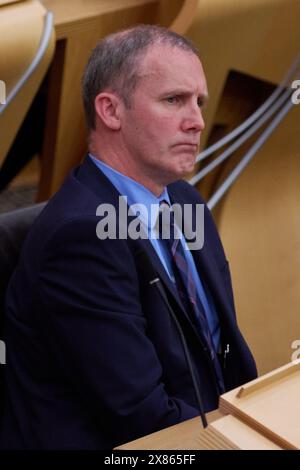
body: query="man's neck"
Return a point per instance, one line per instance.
(117, 164)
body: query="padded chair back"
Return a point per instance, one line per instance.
(14, 227)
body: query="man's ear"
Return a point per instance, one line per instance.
(107, 107)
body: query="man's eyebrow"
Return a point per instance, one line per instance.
(180, 91)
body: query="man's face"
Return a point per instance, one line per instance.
(161, 130)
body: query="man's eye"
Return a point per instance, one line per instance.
(172, 99)
(200, 102)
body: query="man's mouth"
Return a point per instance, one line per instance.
(187, 146)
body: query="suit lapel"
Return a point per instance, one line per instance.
(211, 275)
(207, 268)
(160, 270)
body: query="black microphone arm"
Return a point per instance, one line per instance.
(156, 282)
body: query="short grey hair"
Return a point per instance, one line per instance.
(114, 63)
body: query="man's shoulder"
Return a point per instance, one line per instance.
(79, 196)
(70, 212)
(184, 192)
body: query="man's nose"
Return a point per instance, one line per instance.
(193, 120)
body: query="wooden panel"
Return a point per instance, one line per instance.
(270, 405)
(259, 38)
(76, 15)
(185, 16)
(260, 228)
(241, 436)
(21, 25)
(6, 2)
(71, 14)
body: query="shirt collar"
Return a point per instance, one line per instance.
(142, 201)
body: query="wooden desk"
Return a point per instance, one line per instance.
(182, 436)
(79, 26)
(224, 432)
(260, 415)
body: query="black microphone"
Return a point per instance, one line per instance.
(153, 279)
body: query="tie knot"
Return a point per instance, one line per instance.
(167, 227)
(163, 204)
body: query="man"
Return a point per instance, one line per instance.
(95, 355)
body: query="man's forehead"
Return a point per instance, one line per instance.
(173, 65)
(163, 54)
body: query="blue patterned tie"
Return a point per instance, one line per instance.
(185, 284)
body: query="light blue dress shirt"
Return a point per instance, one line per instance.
(148, 213)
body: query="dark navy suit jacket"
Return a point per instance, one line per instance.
(94, 358)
